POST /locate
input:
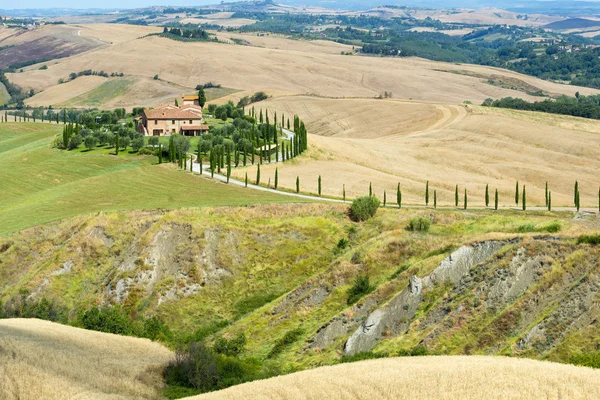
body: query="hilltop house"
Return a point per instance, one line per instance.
(168, 119)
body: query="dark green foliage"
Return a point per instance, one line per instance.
(384, 198)
(549, 201)
(230, 347)
(517, 193)
(546, 194)
(258, 174)
(465, 200)
(418, 350)
(552, 227)
(487, 195)
(399, 196)
(360, 287)
(400, 270)
(319, 185)
(206, 330)
(74, 142)
(363, 208)
(496, 200)
(366, 355)
(435, 199)
(297, 184)
(342, 244)
(201, 96)
(427, 193)
(591, 359)
(419, 224)
(288, 339)
(581, 106)
(524, 203)
(589, 239)
(276, 178)
(456, 196)
(575, 193)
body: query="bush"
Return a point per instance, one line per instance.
(366, 355)
(363, 208)
(419, 224)
(109, 320)
(137, 143)
(147, 152)
(155, 77)
(589, 239)
(74, 142)
(360, 287)
(289, 338)
(587, 360)
(251, 303)
(232, 347)
(258, 96)
(90, 142)
(553, 227)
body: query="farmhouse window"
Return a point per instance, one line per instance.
(190, 121)
(173, 122)
(155, 122)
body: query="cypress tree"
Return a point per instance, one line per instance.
(427, 193)
(246, 180)
(297, 184)
(435, 199)
(546, 193)
(599, 199)
(399, 196)
(575, 192)
(258, 175)
(184, 160)
(276, 178)
(456, 196)
(344, 191)
(160, 154)
(213, 155)
(465, 198)
(577, 204)
(191, 163)
(384, 198)
(549, 201)
(496, 200)
(517, 193)
(370, 190)
(487, 195)
(260, 116)
(524, 198)
(319, 186)
(228, 172)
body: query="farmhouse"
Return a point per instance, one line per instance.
(168, 119)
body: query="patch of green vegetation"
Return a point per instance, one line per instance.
(4, 96)
(589, 239)
(42, 184)
(288, 339)
(253, 302)
(360, 287)
(361, 356)
(102, 94)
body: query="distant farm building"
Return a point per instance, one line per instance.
(168, 119)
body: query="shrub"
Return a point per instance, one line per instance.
(109, 320)
(74, 142)
(230, 347)
(360, 287)
(341, 245)
(155, 77)
(526, 228)
(589, 239)
(289, 338)
(363, 208)
(587, 360)
(90, 142)
(137, 143)
(418, 224)
(363, 355)
(399, 271)
(553, 227)
(258, 96)
(253, 302)
(147, 152)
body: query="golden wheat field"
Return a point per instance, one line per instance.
(355, 142)
(44, 360)
(442, 377)
(294, 66)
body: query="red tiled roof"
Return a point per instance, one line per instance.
(170, 114)
(202, 127)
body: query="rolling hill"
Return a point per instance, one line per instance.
(425, 378)
(41, 359)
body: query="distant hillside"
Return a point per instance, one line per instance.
(572, 23)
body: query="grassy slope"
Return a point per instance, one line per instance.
(41, 184)
(53, 361)
(102, 94)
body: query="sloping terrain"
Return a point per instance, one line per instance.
(292, 66)
(42, 184)
(40, 359)
(475, 283)
(385, 142)
(426, 378)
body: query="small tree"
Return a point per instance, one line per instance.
(524, 198)
(228, 171)
(297, 184)
(427, 193)
(487, 195)
(549, 201)
(465, 205)
(575, 192)
(546, 193)
(276, 178)
(246, 180)
(370, 189)
(344, 192)
(258, 175)
(137, 143)
(160, 156)
(399, 196)
(496, 200)
(201, 97)
(456, 196)
(517, 193)
(435, 199)
(363, 208)
(319, 185)
(90, 142)
(384, 198)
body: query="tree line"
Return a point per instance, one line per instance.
(578, 106)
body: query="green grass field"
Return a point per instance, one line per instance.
(102, 94)
(42, 184)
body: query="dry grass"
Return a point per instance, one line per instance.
(462, 377)
(286, 65)
(40, 359)
(355, 142)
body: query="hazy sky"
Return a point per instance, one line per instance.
(6, 4)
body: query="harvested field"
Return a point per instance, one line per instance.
(466, 377)
(471, 146)
(297, 67)
(41, 359)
